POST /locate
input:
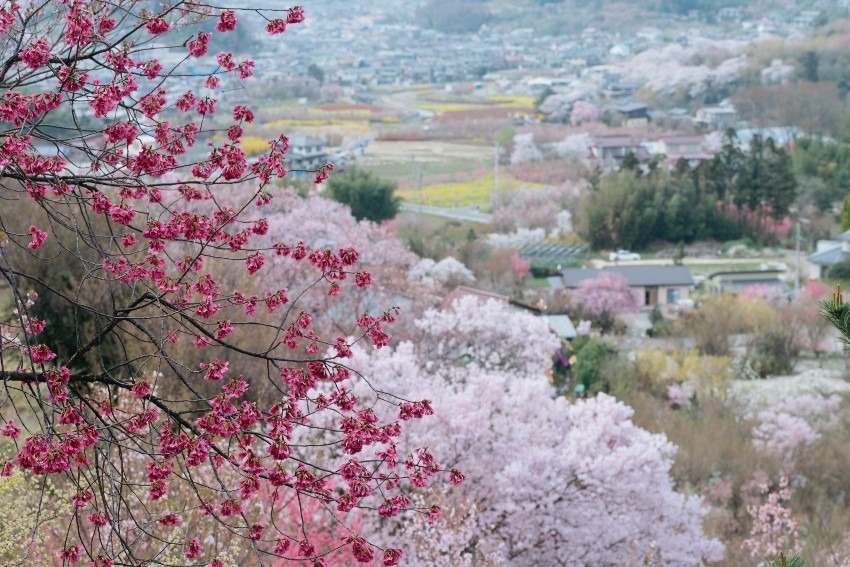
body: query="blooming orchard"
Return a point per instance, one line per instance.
(548, 481)
(198, 364)
(125, 364)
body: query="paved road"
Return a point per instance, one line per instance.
(470, 214)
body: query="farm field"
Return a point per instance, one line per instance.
(424, 151)
(445, 168)
(406, 173)
(454, 104)
(475, 192)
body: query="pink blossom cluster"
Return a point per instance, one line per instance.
(157, 228)
(774, 528)
(605, 297)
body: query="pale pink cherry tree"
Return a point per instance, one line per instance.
(119, 164)
(770, 294)
(774, 528)
(547, 481)
(321, 223)
(583, 112)
(789, 426)
(817, 333)
(532, 208)
(449, 272)
(447, 543)
(485, 334)
(605, 297)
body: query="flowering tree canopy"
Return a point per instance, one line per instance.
(534, 208)
(525, 149)
(449, 271)
(584, 111)
(791, 425)
(163, 396)
(547, 479)
(606, 296)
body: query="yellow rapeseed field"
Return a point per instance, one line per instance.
(462, 193)
(512, 101)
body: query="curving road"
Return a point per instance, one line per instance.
(470, 214)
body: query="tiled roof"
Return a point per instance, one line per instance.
(562, 325)
(302, 140)
(614, 142)
(829, 257)
(741, 285)
(637, 276)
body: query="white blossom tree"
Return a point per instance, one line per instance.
(525, 149)
(550, 482)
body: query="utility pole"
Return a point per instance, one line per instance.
(797, 239)
(797, 278)
(495, 167)
(412, 178)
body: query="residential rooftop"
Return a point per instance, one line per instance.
(642, 275)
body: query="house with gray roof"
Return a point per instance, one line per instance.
(716, 117)
(829, 253)
(610, 151)
(633, 114)
(561, 325)
(305, 152)
(652, 284)
(739, 280)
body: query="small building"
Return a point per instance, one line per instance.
(717, 117)
(829, 253)
(674, 148)
(652, 284)
(562, 326)
(621, 90)
(609, 151)
(738, 281)
(783, 137)
(305, 152)
(633, 114)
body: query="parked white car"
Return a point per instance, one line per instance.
(621, 255)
